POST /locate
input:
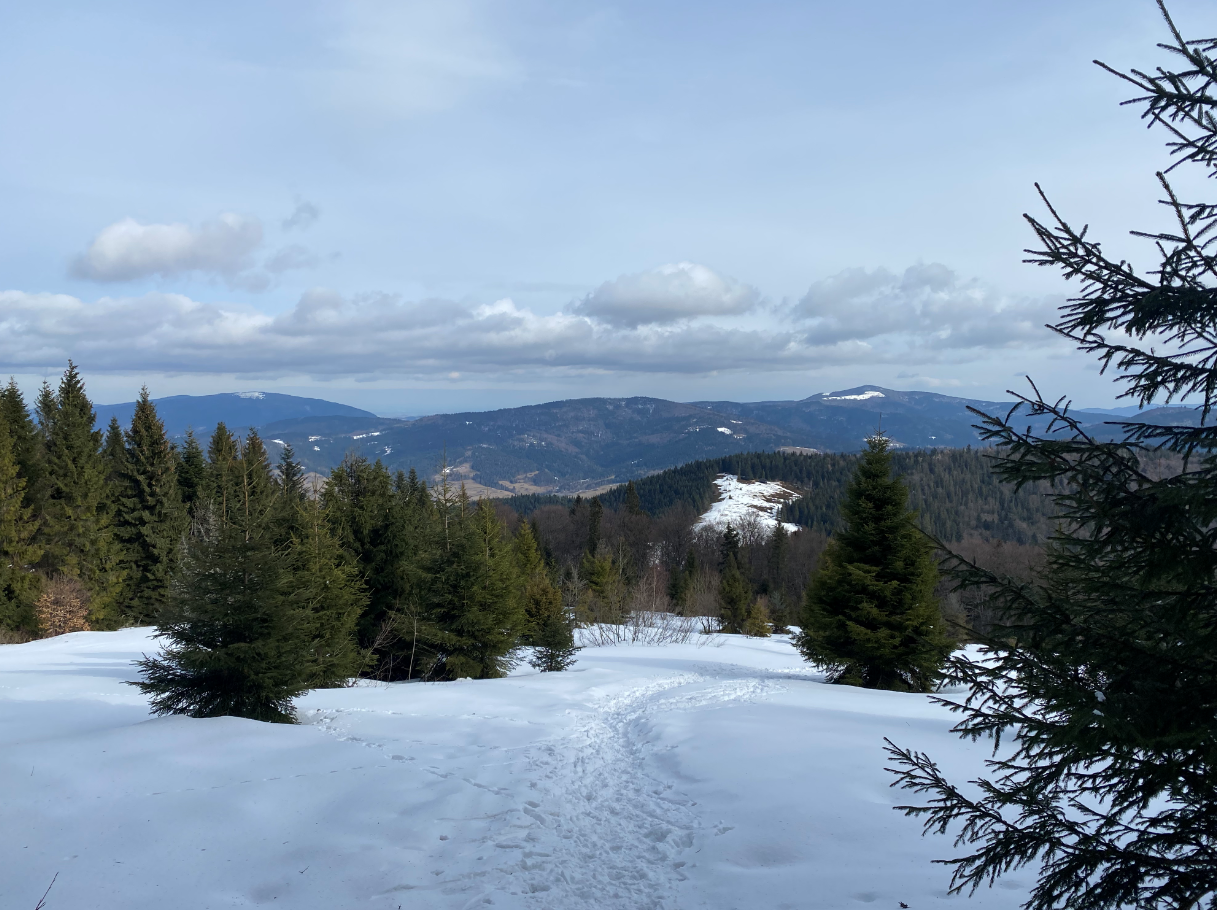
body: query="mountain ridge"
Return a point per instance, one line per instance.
(584, 445)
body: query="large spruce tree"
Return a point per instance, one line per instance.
(1101, 690)
(150, 517)
(472, 594)
(326, 586)
(549, 627)
(18, 554)
(27, 444)
(191, 471)
(870, 617)
(76, 533)
(239, 627)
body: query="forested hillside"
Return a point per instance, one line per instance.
(952, 489)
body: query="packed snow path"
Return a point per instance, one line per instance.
(721, 776)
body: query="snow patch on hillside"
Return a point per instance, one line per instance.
(860, 397)
(743, 502)
(250, 394)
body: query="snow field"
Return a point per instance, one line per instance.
(743, 502)
(721, 775)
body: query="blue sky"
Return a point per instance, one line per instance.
(416, 207)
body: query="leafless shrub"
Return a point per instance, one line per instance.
(14, 637)
(63, 607)
(643, 627)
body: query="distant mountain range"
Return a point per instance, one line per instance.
(239, 410)
(590, 444)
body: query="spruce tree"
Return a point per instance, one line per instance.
(18, 554)
(734, 598)
(237, 643)
(151, 517)
(191, 471)
(633, 504)
(223, 472)
(325, 584)
(870, 617)
(114, 453)
(241, 623)
(1101, 687)
(27, 444)
(595, 516)
(473, 595)
(77, 534)
(291, 475)
(387, 529)
(550, 630)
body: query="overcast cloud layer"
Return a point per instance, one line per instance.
(682, 318)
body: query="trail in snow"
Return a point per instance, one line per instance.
(588, 826)
(598, 830)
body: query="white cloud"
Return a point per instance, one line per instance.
(128, 250)
(927, 307)
(666, 295)
(327, 334)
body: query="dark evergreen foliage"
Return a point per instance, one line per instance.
(76, 533)
(870, 617)
(472, 596)
(595, 516)
(236, 643)
(27, 444)
(550, 627)
(191, 472)
(150, 517)
(734, 598)
(18, 554)
(1102, 685)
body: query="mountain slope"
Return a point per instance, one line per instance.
(562, 446)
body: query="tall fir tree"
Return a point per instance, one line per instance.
(242, 618)
(191, 472)
(18, 554)
(223, 476)
(382, 528)
(151, 517)
(549, 628)
(734, 598)
(27, 444)
(114, 453)
(236, 640)
(870, 617)
(633, 504)
(325, 584)
(595, 516)
(1101, 687)
(77, 534)
(472, 595)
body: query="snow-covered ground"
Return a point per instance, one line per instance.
(741, 502)
(725, 775)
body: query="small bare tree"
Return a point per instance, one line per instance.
(63, 607)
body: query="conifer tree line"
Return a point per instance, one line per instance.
(260, 588)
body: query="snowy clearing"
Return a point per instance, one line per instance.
(721, 775)
(742, 502)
